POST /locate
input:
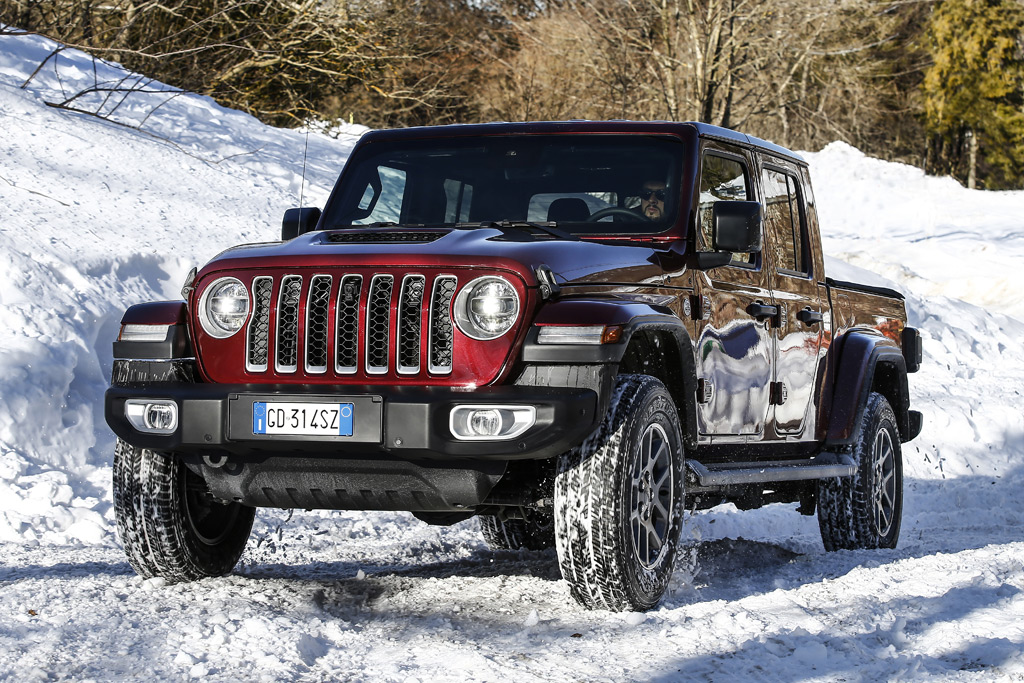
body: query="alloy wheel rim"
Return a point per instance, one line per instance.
(884, 465)
(651, 494)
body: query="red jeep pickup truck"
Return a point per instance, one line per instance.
(572, 331)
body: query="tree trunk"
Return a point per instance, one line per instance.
(972, 163)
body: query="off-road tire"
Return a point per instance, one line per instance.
(604, 510)
(169, 525)
(865, 511)
(536, 532)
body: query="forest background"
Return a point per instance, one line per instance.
(934, 83)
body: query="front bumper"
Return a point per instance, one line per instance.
(405, 423)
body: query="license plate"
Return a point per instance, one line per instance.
(302, 419)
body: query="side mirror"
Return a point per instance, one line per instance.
(736, 226)
(298, 222)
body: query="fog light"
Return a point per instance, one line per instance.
(490, 422)
(160, 417)
(156, 416)
(485, 422)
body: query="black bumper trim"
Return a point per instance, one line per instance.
(407, 423)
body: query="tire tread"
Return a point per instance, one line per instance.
(589, 506)
(151, 520)
(845, 503)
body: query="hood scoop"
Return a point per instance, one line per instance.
(382, 237)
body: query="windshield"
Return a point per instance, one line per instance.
(583, 184)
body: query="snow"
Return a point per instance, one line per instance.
(98, 215)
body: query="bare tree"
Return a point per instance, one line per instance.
(281, 60)
(452, 50)
(800, 72)
(561, 69)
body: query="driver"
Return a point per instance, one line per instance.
(652, 200)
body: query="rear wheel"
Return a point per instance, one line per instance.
(866, 510)
(535, 532)
(169, 523)
(619, 501)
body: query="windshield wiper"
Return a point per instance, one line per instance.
(550, 227)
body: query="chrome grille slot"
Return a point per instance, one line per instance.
(257, 341)
(288, 324)
(346, 355)
(410, 315)
(378, 323)
(353, 325)
(442, 335)
(318, 303)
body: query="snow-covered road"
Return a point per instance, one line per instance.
(97, 216)
(383, 598)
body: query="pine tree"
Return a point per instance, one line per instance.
(974, 91)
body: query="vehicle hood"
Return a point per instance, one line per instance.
(571, 261)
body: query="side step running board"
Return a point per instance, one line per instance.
(824, 466)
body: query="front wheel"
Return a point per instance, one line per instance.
(169, 523)
(865, 511)
(619, 501)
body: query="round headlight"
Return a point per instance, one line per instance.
(486, 308)
(224, 307)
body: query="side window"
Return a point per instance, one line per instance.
(721, 178)
(785, 221)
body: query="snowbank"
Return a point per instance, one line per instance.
(98, 215)
(931, 235)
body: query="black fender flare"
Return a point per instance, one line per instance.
(176, 343)
(632, 318)
(865, 360)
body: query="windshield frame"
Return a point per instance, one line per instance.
(608, 160)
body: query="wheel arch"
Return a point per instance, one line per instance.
(663, 350)
(867, 362)
(172, 315)
(652, 341)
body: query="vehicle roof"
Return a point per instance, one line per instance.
(582, 126)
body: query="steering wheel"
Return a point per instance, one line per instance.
(615, 211)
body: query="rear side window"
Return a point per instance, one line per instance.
(784, 220)
(721, 178)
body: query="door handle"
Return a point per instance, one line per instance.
(809, 317)
(759, 311)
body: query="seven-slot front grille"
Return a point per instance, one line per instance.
(345, 324)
